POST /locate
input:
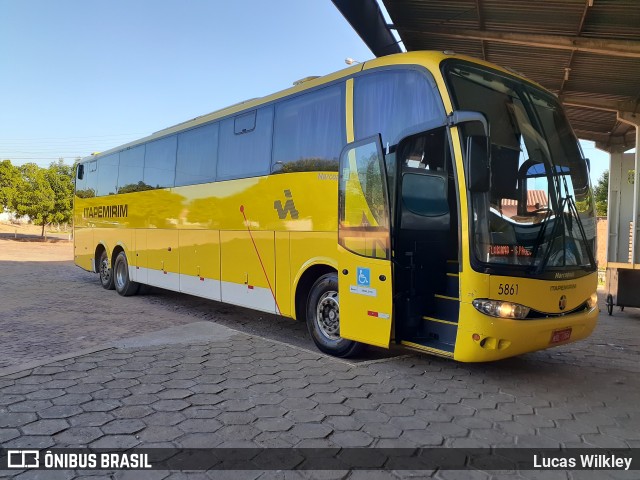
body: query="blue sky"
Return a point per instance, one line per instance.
(85, 76)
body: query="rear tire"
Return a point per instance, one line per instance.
(104, 269)
(124, 285)
(323, 318)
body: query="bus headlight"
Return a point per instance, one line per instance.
(497, 308)
(593, 300)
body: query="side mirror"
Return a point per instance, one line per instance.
(479, 160)
(80, 172)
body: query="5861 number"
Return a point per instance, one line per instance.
(508, 289)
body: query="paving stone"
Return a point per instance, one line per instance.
(164, 418)
(78, 436)
(301, 416)
(157, 433)
(123, 426)
(237, 432)
(146, 388)
(100, 405)
(91, 419)
(132, 411)
(205, 399)
(311, 430)
(236, 418)
(84, 388)
(174, 394)
(382, 430)
(60, 411)
(29, 406)
(344, 423)
(45, 427)
(118, 441)
(268, 411)
(72, 399)
(335, 409)
(200, 425)
(274, 424)
(27, 441)
(140, 399)
(9, 399)
(16, 419)
(45, 394)
(7, 434)
(170, 405)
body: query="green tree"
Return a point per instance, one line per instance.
(46, 194)
(10, 184)
(601, 194)
(60, 178)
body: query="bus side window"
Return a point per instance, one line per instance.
(107, 175)
(245, 153)
(86, 186)
(388, 102)
(130, 170)
(197, 155)
(160, 162)
(309, 131)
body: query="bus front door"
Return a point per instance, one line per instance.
(364, 251)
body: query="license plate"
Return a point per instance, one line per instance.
(559, 336)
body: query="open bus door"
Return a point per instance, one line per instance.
(364, 251)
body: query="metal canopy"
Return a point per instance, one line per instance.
(585, 51)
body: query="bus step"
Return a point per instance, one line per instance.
(452, 285)
(430, 345)
(446, 308)
(452, 266)
(436, 330)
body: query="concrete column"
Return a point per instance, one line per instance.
(634, 119)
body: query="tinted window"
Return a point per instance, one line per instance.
(309, 131)
(197, 155)
(160, 162)
(107, 174)
(245, 154)
(86, 187)
(391, 101)
(130, 171)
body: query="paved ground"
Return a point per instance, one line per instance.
(203, 384)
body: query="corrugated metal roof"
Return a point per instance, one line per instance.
(585, 51)
(583, 78)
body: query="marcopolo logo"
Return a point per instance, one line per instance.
(23, 458)
(289, 207)
(106, 211)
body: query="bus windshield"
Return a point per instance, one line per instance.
(537, 216)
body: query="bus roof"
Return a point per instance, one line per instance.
(409, 58)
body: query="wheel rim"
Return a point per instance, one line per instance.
(328, 315)
(105, 271)
(121, 275)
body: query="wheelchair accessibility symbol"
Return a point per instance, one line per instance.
(364, 277)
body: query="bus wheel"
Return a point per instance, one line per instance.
(124, 286)
(104, 269)
(323, 318)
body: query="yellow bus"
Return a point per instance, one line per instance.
(424, 199)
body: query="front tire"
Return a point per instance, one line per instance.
(124, 285)
(104, 269)
(323, 318)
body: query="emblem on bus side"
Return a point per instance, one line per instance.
(563, 302)
(289, 207)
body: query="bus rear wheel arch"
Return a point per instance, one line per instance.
(123, 284)
(323, 318)
(104, 269)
